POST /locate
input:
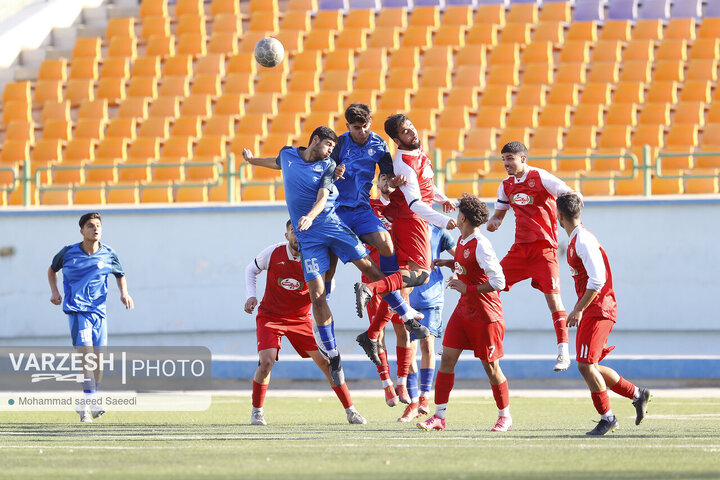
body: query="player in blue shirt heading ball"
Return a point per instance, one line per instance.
(86, 266)
(308, 175)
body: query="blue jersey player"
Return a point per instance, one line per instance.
(86, 267)
(428, 299)
(308, 175)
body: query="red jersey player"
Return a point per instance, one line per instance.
(409, 211)
(285, 311)
(531, 193)
(477, 323)
(594, 314)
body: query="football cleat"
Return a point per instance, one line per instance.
(336, 371)
(423, 408)
(410, 414)
(402, 393)
(503, 424)
(355, 418)
(98, 413)
(432, 423)
(85, 415)
(390, 397)
(258, 418)
(363, 295)
(604, 426)
(370, 347)
(413, 326)
(562, 363)
(641, 405)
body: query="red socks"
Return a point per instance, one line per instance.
(343, 394)
(601, 401)
(258, 394)
(384, 368)
(403, 361)
(382, 317)
(624, 388)
(443, 385)
(501, 394)
(388, 284)
(560, 324)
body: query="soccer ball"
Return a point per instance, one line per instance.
(269, 52)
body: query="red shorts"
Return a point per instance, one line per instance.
(591, 339)
(535, 260)
(270, 329)
(374, 305)
(483, 338)
(411, 238)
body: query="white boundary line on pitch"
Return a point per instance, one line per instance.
(292, 357)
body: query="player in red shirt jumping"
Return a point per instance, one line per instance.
(477, 323)
(285, 311)
(410, 211)
(595, 314)
(531, 193)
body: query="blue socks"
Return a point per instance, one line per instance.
(389, 264)
(426, 379)
(412, 386)
(327, 336)
(396, 302)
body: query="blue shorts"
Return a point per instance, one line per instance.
(323, 238)
(87, 328)
(361, 219)
(432, 320)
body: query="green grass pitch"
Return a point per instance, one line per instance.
(310, 438)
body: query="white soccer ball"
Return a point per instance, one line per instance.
(269, 52)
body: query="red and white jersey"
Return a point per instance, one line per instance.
(286, 293)
(475, 264)
(414, 199)
(532, 198)
(591, 271)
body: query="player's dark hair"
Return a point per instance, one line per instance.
(89, 216)
(288, 224)
(475, 210)
(515, 147)
(358, 113)
(323, 133)
(569, 204)
(392, 124)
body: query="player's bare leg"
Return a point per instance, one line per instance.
(342, 391)
(443, 386)
(261, 380)
(598, 392)
(499, 386)
(559, 315)
(324, 321)
(639, 396)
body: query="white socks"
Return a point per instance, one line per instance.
(563, 349)
(504, 412)
(440, 409)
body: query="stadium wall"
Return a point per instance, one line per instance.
(185, 267)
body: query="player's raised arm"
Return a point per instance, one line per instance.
(267, 162)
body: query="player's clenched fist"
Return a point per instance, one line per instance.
(250, 304)
(56, 299)
(451, 224)
(493, 224)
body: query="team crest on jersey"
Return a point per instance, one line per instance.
(319, 167)
(290, 284)
(522, 199)
(573, 272)
(531, 183)
(466, 253)
(459, 269)
(371, 151)
(101, 264)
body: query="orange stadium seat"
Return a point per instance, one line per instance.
(549, 31)
(133, 108)
(57, 130)
(87, 48)
(155, 26)
(482, 34)
(450, 36)
(17, 111)
(604, 72)
(523, 13)
(91, 129)
(160, 46)
(532, 94)
(352, 38)
(516, 33)
(648, 30)
(21, 130)
(156, 127)
(53, 70)
(616, 30)
(84, 68)
(122, 128)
